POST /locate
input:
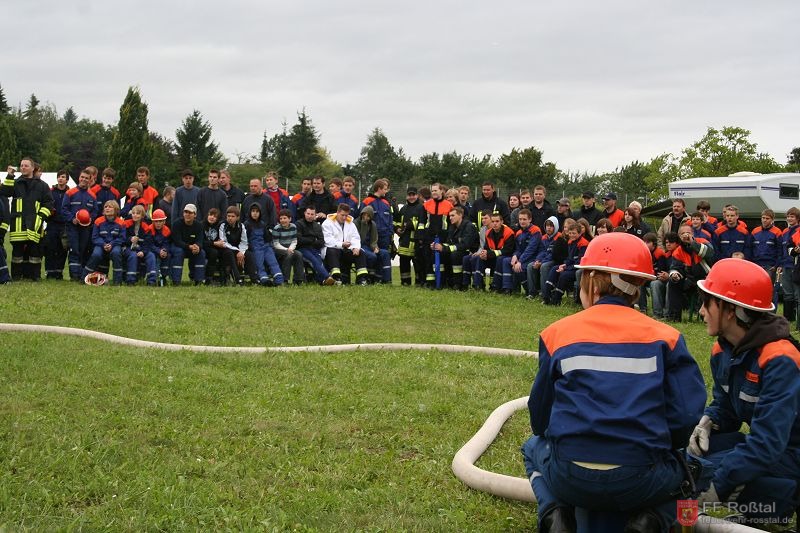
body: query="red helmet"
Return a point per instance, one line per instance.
(741, 283)
(95, 278)
(159, 214)
(84, 218)
(619, 253)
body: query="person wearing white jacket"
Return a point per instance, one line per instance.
(343, 247)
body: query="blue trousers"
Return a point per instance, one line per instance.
(627, 489)
(379, 264)
(313, 256)
(5, 277)
(132, 262)
(80, 243)
(99, 255)
(55, 256)
(197, 264)
(557, 284)
(265, 260)
(777, 490)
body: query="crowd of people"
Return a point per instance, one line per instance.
(524, 245)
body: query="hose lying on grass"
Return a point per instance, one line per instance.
(464, 461)
(517, 488)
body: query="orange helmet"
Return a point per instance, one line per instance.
(159, 214)
(84, 218)
(619, 253)
(95, 278)
(741, 283)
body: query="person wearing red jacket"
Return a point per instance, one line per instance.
(611, 211)
(437, 210)
(500, 243)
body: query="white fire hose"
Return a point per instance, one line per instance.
(464, 468)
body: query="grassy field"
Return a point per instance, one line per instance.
(101, 437)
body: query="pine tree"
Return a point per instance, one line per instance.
(70, 117)
(8, 143)
(130, 146)
(304, 142)
(194, 147)
(4, 107)
(264, 154)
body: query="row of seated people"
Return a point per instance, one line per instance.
(219, 251)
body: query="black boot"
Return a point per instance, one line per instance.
(790, 310)
(559, 520)
(643, 522)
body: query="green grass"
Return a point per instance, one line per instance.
(102, 437)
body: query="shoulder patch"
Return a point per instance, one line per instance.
(777, 349)
(716, 349)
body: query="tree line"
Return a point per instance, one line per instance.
(59, 141)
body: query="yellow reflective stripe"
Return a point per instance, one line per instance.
(19, 205)
(496, 252)
(4, 226)
(8, 182)
(452, 247)
(361, 271)
(37, 225)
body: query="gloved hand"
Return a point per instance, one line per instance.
(698, 442)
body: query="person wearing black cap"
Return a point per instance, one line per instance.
(612, 212)
(409, 225)
(589, 211)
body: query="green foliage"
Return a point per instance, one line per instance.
(723, 152)
(194, 147)
(522, 169)
(164, 166)
(130, 146)
(85, 142)
(51, 158)
(5, 109)
(453, 169)
(8, 142)
(793, 160)
(379, 159)
(324, 167)
(304, 143)
(70, 117)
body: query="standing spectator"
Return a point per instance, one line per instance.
(79, 232)
(409, 228)
(541, 209)
(766, 245)
(589, 211)
(167, 197)
(732, 236)
(269, 215)
(187, 243)
(637, 208)
(490, 201)
(279, 196)
(343, 247)
(105, 190)
(790, 251)
(55, 254)
(284, 241)
(610, 211)
(563, 211)
(437, 210)
(346, 196)
(185, 194)
(320, 198)
(233, 193)
(525, 200)
(310, 243)
(710, 223)
(31, 205)
(463, 199)
(211, 196)
(673, 220)
(305, 189)
(149, 193)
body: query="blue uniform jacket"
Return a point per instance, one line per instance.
(766, 246)
(761, 387)
(615, 386)
(546, 248)
(728, 240)
(108, 231)
(528, 245)
(787, 261)
(76, 199)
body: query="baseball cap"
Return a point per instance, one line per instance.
(411, 190)
(587, 194)
(610, 196)
(564, 201)
(190, 207)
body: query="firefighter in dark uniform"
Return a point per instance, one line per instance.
(31, 206)
(409, 228)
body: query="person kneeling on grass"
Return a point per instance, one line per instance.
(756, 367)
(612, 407)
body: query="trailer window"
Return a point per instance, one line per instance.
(789, 191)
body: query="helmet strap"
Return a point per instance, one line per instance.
(742, 315)
(621, 284)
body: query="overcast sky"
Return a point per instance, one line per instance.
(594, 85)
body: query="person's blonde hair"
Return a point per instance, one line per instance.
(600, 282)
(138, 209)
